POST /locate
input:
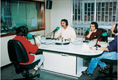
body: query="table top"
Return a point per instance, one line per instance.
(75, 48)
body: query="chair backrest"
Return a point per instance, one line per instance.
(17, 52)
(105, 38)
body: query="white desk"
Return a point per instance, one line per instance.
(65, 59)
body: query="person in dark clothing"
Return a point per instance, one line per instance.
(110, 52)
(93, 31)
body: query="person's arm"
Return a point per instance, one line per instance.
(94, 39)
(59, 37)
(69, 39)
(38, 44)
(89, 34)
(58, 34)
(101, 49)
(111, 47)
(112, 28)
(73, 35)
(31, 47)
(105, 44)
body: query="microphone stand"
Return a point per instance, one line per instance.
(85, 41)
(48, 35)
(32, 36)
(53, 35)
(34, 39)
(96, 45)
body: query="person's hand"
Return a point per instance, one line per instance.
(38, 44)
(59, 38)
(88, 36)
(69, 39)
(116, 34)
(93, 48)
(91, 31)
(94, 39)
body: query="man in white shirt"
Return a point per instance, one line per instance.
(65, 32)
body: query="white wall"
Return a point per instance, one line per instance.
(60, 9)
(47, 20)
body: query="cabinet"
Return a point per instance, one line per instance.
(59, 62)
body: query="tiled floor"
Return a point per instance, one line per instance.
(8, 73)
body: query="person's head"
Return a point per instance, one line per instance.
(64, 22)
(94, 25)
(22, 31)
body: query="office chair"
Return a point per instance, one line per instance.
(110, 73)
(105, 38)
(17, 55)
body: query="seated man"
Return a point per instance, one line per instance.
(65, 32)
(109, 53)
(21, 33)
(93, 32)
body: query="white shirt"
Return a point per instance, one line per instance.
(69, 32)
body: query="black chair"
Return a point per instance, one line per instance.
(110, 74)
(18, 54)
(105, 38)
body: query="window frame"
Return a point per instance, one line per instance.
(82, 14)
(41, 17)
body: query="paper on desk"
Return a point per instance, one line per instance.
(47, 41)
(38, 39)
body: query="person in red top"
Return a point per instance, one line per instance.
(93, 32)
(31, 49)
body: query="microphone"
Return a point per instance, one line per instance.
(102, 35)
(55, 30)
(31, 36)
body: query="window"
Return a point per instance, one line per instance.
(17, 13)
(105, 12)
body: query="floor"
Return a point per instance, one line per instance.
(8, 73)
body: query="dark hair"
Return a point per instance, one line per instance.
(96, 24)
(66, 21)
(22, 31)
